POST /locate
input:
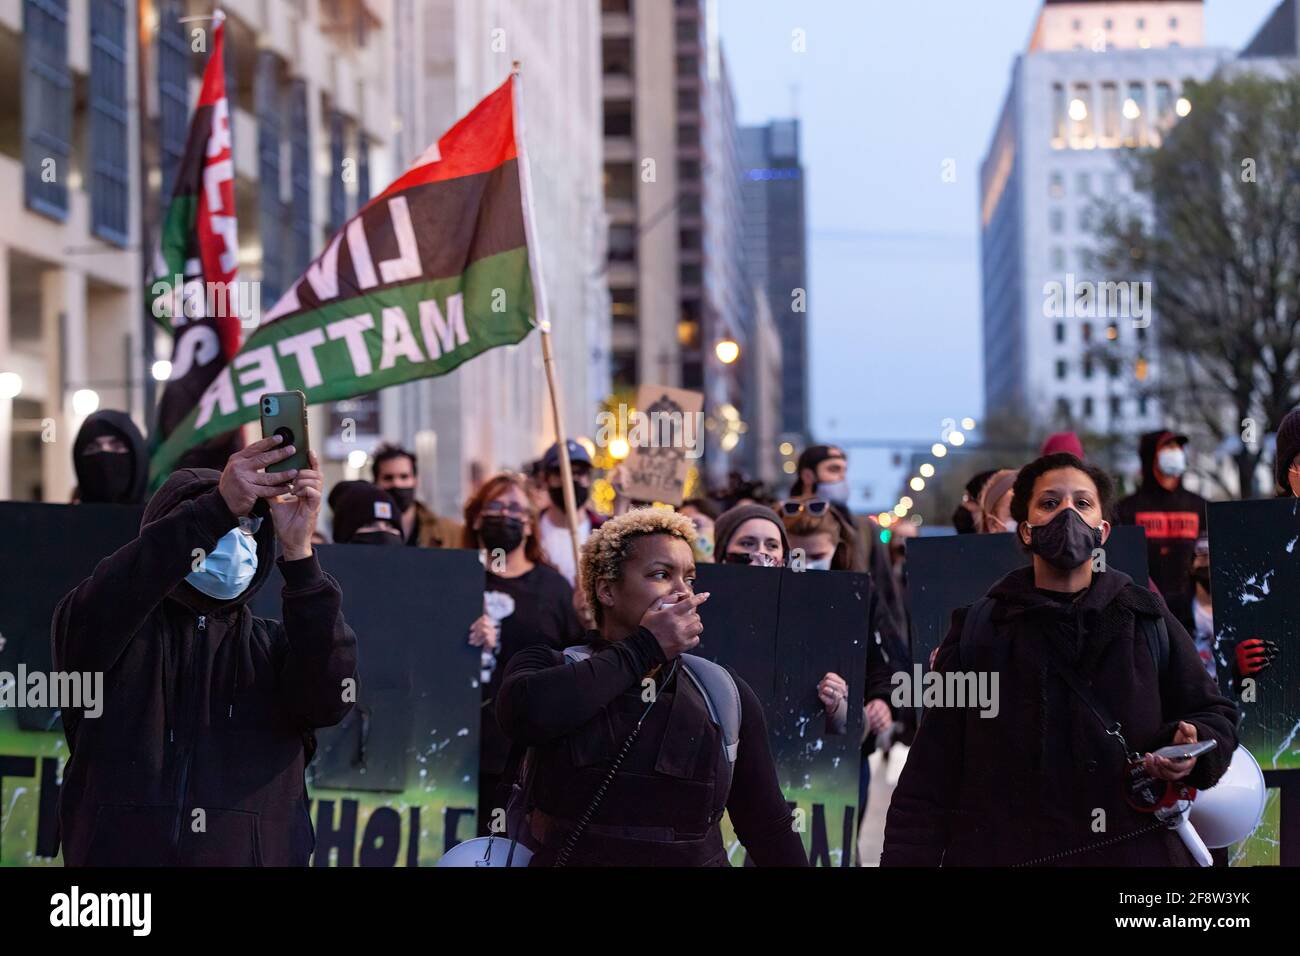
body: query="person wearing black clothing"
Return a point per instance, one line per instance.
(663, 806)
(365, 514)
(1025, 784)
(110, 459)
(1172, 516)
(208, 710)
(525, 602)
(1286, 462)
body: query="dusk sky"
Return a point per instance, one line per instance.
(886, 92)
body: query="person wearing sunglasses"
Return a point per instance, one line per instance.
(526, 601)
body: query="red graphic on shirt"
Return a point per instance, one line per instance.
(1169, 524)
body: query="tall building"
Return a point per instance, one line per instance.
(672, 189)
(494, 412)
(776, 254)
(311, 121)
(1098, 78)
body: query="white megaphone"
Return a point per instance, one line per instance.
(1226, 813)
(487, 851)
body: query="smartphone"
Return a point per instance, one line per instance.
(1186, 751)
(285, 414)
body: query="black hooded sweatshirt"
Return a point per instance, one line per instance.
(207, 727)
(1025, 785)
(111, 478)
(1173, 520)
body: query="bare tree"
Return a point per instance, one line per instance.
(1214, 229)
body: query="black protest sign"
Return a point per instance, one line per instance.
(782, 631)
(1255, 586)
(411, 609)
(945, 573)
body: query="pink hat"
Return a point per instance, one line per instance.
(1063, 441)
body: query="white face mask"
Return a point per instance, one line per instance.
(836, 492)
(1172, 461)
(818, 564)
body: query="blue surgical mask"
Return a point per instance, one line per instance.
(229, 568)
(1172, 461)
(836, 492)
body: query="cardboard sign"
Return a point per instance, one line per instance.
(665, 434)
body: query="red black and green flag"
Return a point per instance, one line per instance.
(195, 293)
(432, 272)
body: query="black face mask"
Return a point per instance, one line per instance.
(580, 493)
(501, 531)
(385, 538)
(1201, 576)
(1066, 541)
(402, 497)
(106, 477)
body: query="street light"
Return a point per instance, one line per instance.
(162, 371)
(357, 459)
(956, 438)
(917, 484)
(1183, 106)
(906, 500)
(11, 384)
(927, 470)
(968, 423)
(1078, 110)
(727, 351)
(938, 449)
(619, 449)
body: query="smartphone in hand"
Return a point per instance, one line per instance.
(285, 414)
(1187, 751)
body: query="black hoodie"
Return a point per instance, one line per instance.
(1026, 784)
(107, 477)
(1173, 520)
(207, 727)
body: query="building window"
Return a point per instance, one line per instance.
(1142, 405)
(1078, 25)
(1141, 23)
(1135, 108)
(1142, 333)
(173, 91)
(1116, 406)
(1060, 368)
(1173, 23)
(1087, 368)
(47, 106)
(1057, 221)
(1056, 186)
(1081, 135)
(338, 205)
(1110, 24)
(1086, 331)
(1059, 107)
(1063, 408)
(1058, 258)
(1085, 218)
(1112, 332)
(1087, 406)
(1083, 184)
(270, 211)
(110, 180)
(1164, 105)
(622, 243)
(1060, 331)
(1110, 115)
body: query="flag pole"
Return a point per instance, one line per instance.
(544, 326)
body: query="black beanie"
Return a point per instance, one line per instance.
(1288, 446)
(359, 503)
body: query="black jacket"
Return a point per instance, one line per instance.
(1028, 783)
(1173, 520)
(199, 755)
(658, 811)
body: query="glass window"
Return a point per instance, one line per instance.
(1142, 405)
(1173, 23)
(1058, 116)
(1135, 108)
(1109, 114)
(110, 178)
(1081, 136)
(1087, 406)
(1083, 184)
(1060, 331)
(1058, 258)
(1087, 368)
(1060, 368)
(1142, 23)
(1063, 408)
(1087, 332)
(1164, 104)
(1057, 221)
(1116, 406)
(1056, 186)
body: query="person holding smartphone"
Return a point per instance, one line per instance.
(627, 767)
(1094, 676)
(206, 730)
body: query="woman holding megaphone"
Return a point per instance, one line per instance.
(1093, 678)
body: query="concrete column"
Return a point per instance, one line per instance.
(63, 336)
